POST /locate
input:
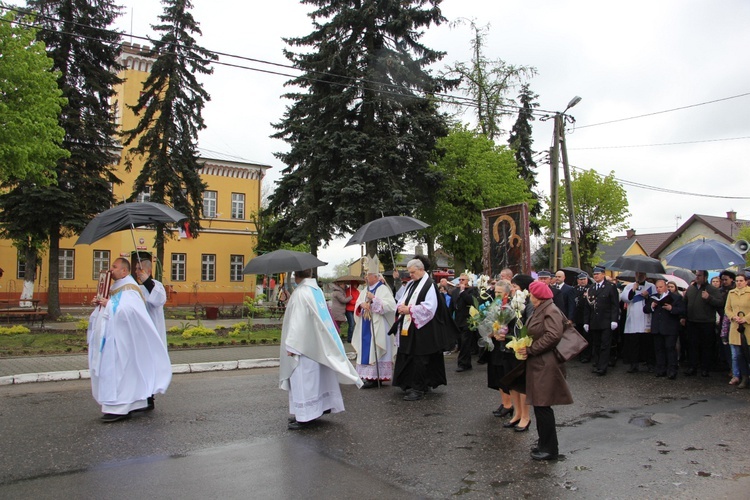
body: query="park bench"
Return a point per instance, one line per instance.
(25, 310)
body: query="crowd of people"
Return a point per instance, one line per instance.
(402, 333)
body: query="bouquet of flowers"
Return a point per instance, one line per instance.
(521, 339)
(490, 318)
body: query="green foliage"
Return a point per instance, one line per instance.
(66, 318)
(197, 331)
(601, 207)
(521, 141)
(30, 105)
(14, 330)
(478, 175)
(82, 325)
(361, 137)
(175, 330)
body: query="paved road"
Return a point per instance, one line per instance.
(223, 434)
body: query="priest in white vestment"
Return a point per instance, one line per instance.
(155, 295)
(127, 359)
(374, 314)
(312, 361)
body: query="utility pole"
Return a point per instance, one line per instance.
(554, 160)
(569, 194)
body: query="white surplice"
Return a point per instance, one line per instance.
(318, 362)
(155, 300)
(383, 313)
(127, 359)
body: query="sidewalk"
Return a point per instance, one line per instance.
(26, 369)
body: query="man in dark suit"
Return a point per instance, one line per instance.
(581, 304)
(567, 298)
(601, 319)
(462, 298)
(665, 308)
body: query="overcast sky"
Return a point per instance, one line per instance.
(623, 59)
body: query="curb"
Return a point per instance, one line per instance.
(242, 364)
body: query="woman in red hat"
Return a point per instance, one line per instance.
(545, 375)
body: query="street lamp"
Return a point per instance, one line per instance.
(560, 147)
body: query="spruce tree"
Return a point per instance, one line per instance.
(363, 127)
(170, 109)
(85, 52)
(521, 142)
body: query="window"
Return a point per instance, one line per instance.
(208, 267)
(144, 195)
(179, 265)
(209, 204)
(67, 264)
(21, 268)
(236, 265)
(238, 206)
(101, 262)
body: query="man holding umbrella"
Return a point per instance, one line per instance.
(312, 361)
(701, 302)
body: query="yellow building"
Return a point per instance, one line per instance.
(202, 270)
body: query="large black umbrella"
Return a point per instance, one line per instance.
(282, 261)
(705, 254)
(685, 274)
(571, 274)
(639, 264)
(128, 216)
(385, 227)
(629, 276)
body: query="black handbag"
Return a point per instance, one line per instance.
(571, 344)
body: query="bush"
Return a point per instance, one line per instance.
(187, 335)
(82, 325)
(14, 330)
(175, 330)
(65, 318)
(200, 331)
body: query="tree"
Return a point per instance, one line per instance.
(601, 207)
(30, 105)
(30, 138)
(521, 141)
(85, 53)
(361, 134)
(171, 105)
(478, 175)
(488, 82)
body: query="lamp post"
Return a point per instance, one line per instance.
(559, 146)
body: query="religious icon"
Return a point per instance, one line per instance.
(505, 238)
(105, 280)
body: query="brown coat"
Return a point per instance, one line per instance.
(545, 375)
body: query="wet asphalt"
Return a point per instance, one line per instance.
(223, 434)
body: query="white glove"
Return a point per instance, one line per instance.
(586, 328)
(613, 325)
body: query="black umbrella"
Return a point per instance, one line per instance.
(127, 216)
(705, 254)
(282, 261)
(639, 264)
(630, 276)
(571, 274)
(385, 227)
(685, 274)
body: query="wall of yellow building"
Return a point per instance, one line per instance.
(221, 236)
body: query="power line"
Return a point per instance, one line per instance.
(665, 190)
(439, 97)
(661, 144)
(666, 110)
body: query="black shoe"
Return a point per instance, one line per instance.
(661, 375)
(481, 362)
(463, 369)
(690, 372)
(601, 373)
(149, 406)
(595, 370)
(108, 418)
(413, 395)
(632, 369)
(370, 384)
(502, 411)
(295, 426)
(543, 455)
(704, 373)
(672, 376)
(522, 429)
(585, 360)
(511, 425)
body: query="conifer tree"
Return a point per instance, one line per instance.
(521, 142)
(363, 126)
(84, 50)
(170, 109)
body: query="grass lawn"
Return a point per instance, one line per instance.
(66, 342)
